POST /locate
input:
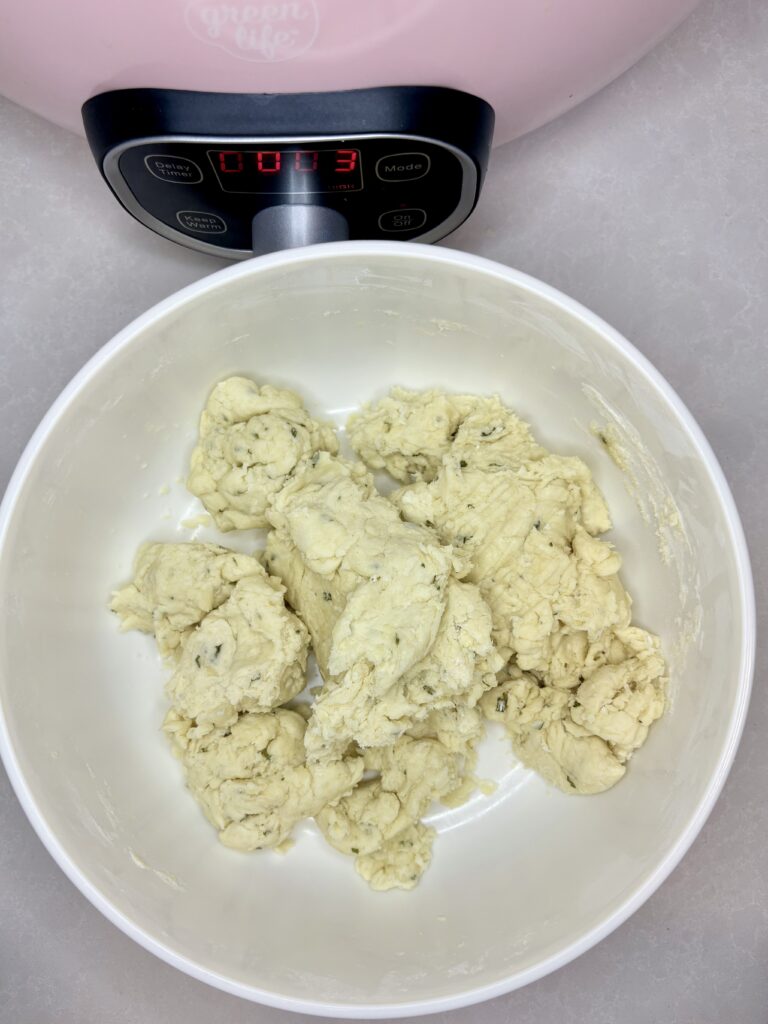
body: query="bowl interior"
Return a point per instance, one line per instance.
(520, 880)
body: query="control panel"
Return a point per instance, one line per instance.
(413, 173)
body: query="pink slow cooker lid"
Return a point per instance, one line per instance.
(531, 59)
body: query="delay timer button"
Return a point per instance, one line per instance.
(177, 169)
(402, 166)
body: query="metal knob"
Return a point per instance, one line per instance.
(292, 225)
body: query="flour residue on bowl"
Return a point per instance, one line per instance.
(645, 483)
(164, 876)
(110, 829)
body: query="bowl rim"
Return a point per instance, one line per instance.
(424, 254)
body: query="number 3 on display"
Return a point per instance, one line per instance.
(346, 161)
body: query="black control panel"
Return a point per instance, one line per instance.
(408, 164)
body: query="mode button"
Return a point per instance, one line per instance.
(402, 166)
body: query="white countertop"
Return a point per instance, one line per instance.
(649, 204)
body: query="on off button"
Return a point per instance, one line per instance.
(402, 166)
(402, 220)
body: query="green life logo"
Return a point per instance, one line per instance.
(264, 32)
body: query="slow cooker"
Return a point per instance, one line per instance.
(242, 126)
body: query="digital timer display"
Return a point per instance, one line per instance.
(287, 171)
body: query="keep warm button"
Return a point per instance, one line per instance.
(402, 166)
(203, 223)
(402, 220)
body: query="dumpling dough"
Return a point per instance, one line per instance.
(176, 585)
(252, 780)
(378, 823)
(498, 565)
(546, 739)
(408, 433)
(528, 532)
(623, 696)
(250, 654)
(418, 771)
(458, 728)
(399, 862)
(251, 439)
(394, 631)
(580, 740)
(529, 523)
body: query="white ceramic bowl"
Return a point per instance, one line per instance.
(521, 882)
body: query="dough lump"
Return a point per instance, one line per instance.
(583, 684)
(252, 780)
(409, 432)
(176, 585)
(243, 755)
(400, 862)
(251, 439)
(395, 632)
(250, 654)
(527, 533)
(378, 823)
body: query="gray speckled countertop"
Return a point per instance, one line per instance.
(649, 204)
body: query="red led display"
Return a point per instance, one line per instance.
(230, 161)
(287, 170)
(346, 160)
(269, 161)
(305, 161)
